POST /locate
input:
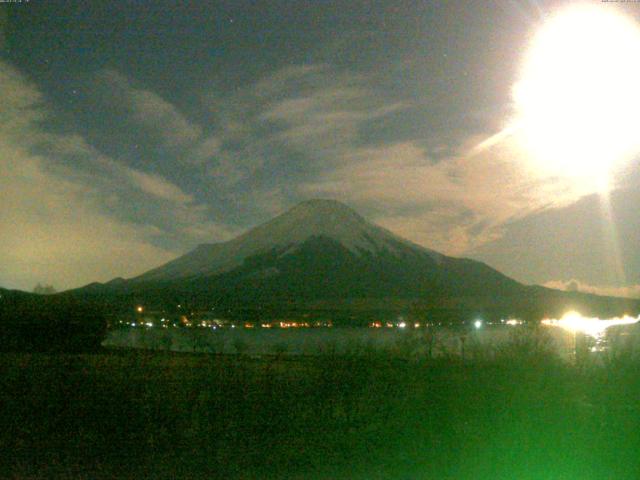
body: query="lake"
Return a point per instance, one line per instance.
(436, 341)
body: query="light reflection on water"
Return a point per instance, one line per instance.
(570, 334)
(592, 327)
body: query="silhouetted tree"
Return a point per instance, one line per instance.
(44, 289)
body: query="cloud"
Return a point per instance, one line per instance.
(630, 291)
(231, 168)
(287, 78)
(453, 205)
(206, 150)
(158, 186)
(312, 131)
(208, 231)
(148, 109)
(50, 232)
(72, 145)
(326, 118)
(70, 215)
(292, 124)
(593, 239)
(299, 132)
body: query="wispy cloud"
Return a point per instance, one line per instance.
(72, 145)
(91, 219)
(206, 150)
(311, 125)
(158, 186)
(630, 291)
(147, 108)
(325, 118)
(294, 123)
(296, 133)
(51, 230)
(454, 204)
(287, 78)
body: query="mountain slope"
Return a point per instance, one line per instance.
(320, 249)
(313, 218)
(322, 268)
(323, 253)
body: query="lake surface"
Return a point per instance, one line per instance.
(339, 341)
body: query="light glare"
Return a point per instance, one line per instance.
(578, 97)
(594, 327)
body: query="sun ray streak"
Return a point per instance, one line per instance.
(494, 140)
(615, 265)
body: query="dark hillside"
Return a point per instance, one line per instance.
(50, 323)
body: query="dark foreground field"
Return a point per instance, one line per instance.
(518, 414)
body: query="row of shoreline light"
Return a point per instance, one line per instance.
(185, 321)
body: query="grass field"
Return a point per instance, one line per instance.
(520, 414)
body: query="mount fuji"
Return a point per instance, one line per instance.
(323, 248)
(322, 254)
(315, 221)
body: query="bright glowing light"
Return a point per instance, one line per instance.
(402, 325)
(477, 324)
(594, 327)
(513, 322)
(578, 98)
(139, 309)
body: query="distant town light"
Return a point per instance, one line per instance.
(402, 324)
(477, 324)
(139, 309)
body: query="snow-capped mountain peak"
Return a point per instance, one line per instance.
(313, 218)
(327, 218)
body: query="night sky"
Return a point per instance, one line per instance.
(130, 132)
